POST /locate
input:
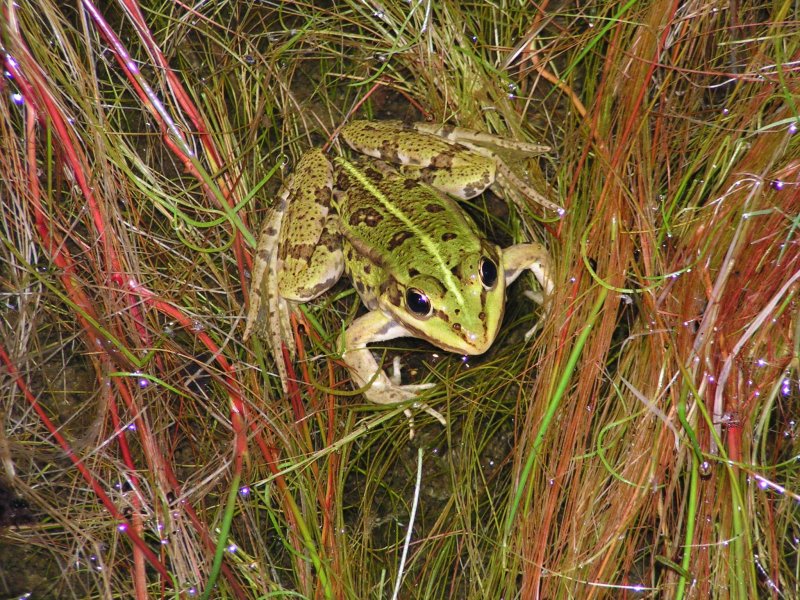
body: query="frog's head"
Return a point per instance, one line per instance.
(458, 308)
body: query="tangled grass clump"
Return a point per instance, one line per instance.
(642, 445)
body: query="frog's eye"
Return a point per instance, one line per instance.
(417, 302)
(488, 271)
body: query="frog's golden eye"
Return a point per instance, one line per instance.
(488, 271)
(418, 302)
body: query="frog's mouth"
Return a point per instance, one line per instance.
(451, 337)
(472, 343)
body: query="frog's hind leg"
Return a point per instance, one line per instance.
(298, 256)
(304, 280)
(268, 312)
(484, 168)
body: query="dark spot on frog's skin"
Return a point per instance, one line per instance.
(392, 295)
(456, 326)
(296, 251)
(359, 286)
(409, 184)
(372, 174)
(388, 151)
(470, 192)
(482, 316)
(457, 311)
(367, 269)
(365, 216)
(398, 239)
(412, 272)
(342, 182)
(385, 329)
(434, 208)
(446, 237)
(443, 160)
(440, 314)
(330, 244)
(271, 231)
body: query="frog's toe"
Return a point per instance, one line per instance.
(422, 406)
(432, 412)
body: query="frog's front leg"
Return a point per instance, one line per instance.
(534, 257)
(375, 326)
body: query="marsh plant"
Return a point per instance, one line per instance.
(640, 444)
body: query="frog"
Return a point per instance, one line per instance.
(390, 221)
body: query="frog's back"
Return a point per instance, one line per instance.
(400, 225)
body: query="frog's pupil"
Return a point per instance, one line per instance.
(417, 302)
(488, 272)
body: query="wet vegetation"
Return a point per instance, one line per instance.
(642, 444)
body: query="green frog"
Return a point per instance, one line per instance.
(416, 259)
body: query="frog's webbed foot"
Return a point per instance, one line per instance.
(367, 374)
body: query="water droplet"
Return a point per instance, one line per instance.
(142, 381)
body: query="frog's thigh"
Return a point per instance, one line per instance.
(531, 256)
(304, 278)
(459, 172)
(309, 251)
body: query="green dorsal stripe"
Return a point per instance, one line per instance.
(429, 245)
